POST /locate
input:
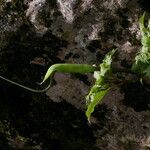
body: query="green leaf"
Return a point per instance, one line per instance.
(101, 87)
(142, 60)
(97, 98)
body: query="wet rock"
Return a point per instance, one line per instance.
(10, 21)
(67, 9)
(124, 128)
(66, 89)
(35, 9)
(69, 31)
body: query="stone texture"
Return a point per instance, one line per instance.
(71, 31)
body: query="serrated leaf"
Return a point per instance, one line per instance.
(142, 59)
(101, 87)
(97, 98)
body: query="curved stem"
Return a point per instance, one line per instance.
(64, 68)
(25, 87)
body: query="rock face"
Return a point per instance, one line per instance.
(10, 21)
(36, 34)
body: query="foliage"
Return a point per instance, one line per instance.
(142, 59)
(97, 92)
(101, 86)
(65, 68)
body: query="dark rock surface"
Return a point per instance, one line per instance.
(36, 34)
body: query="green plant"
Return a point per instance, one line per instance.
(103, 73)
(64, 68)
(97, 92)
(141, 65)
(68, 68)
(101, 86)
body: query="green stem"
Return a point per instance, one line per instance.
(25, 87)
(64, 68)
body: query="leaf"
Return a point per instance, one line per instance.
(96, 97)
(142, 60)
(101, 87)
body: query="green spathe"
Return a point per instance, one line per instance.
(68, 68)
